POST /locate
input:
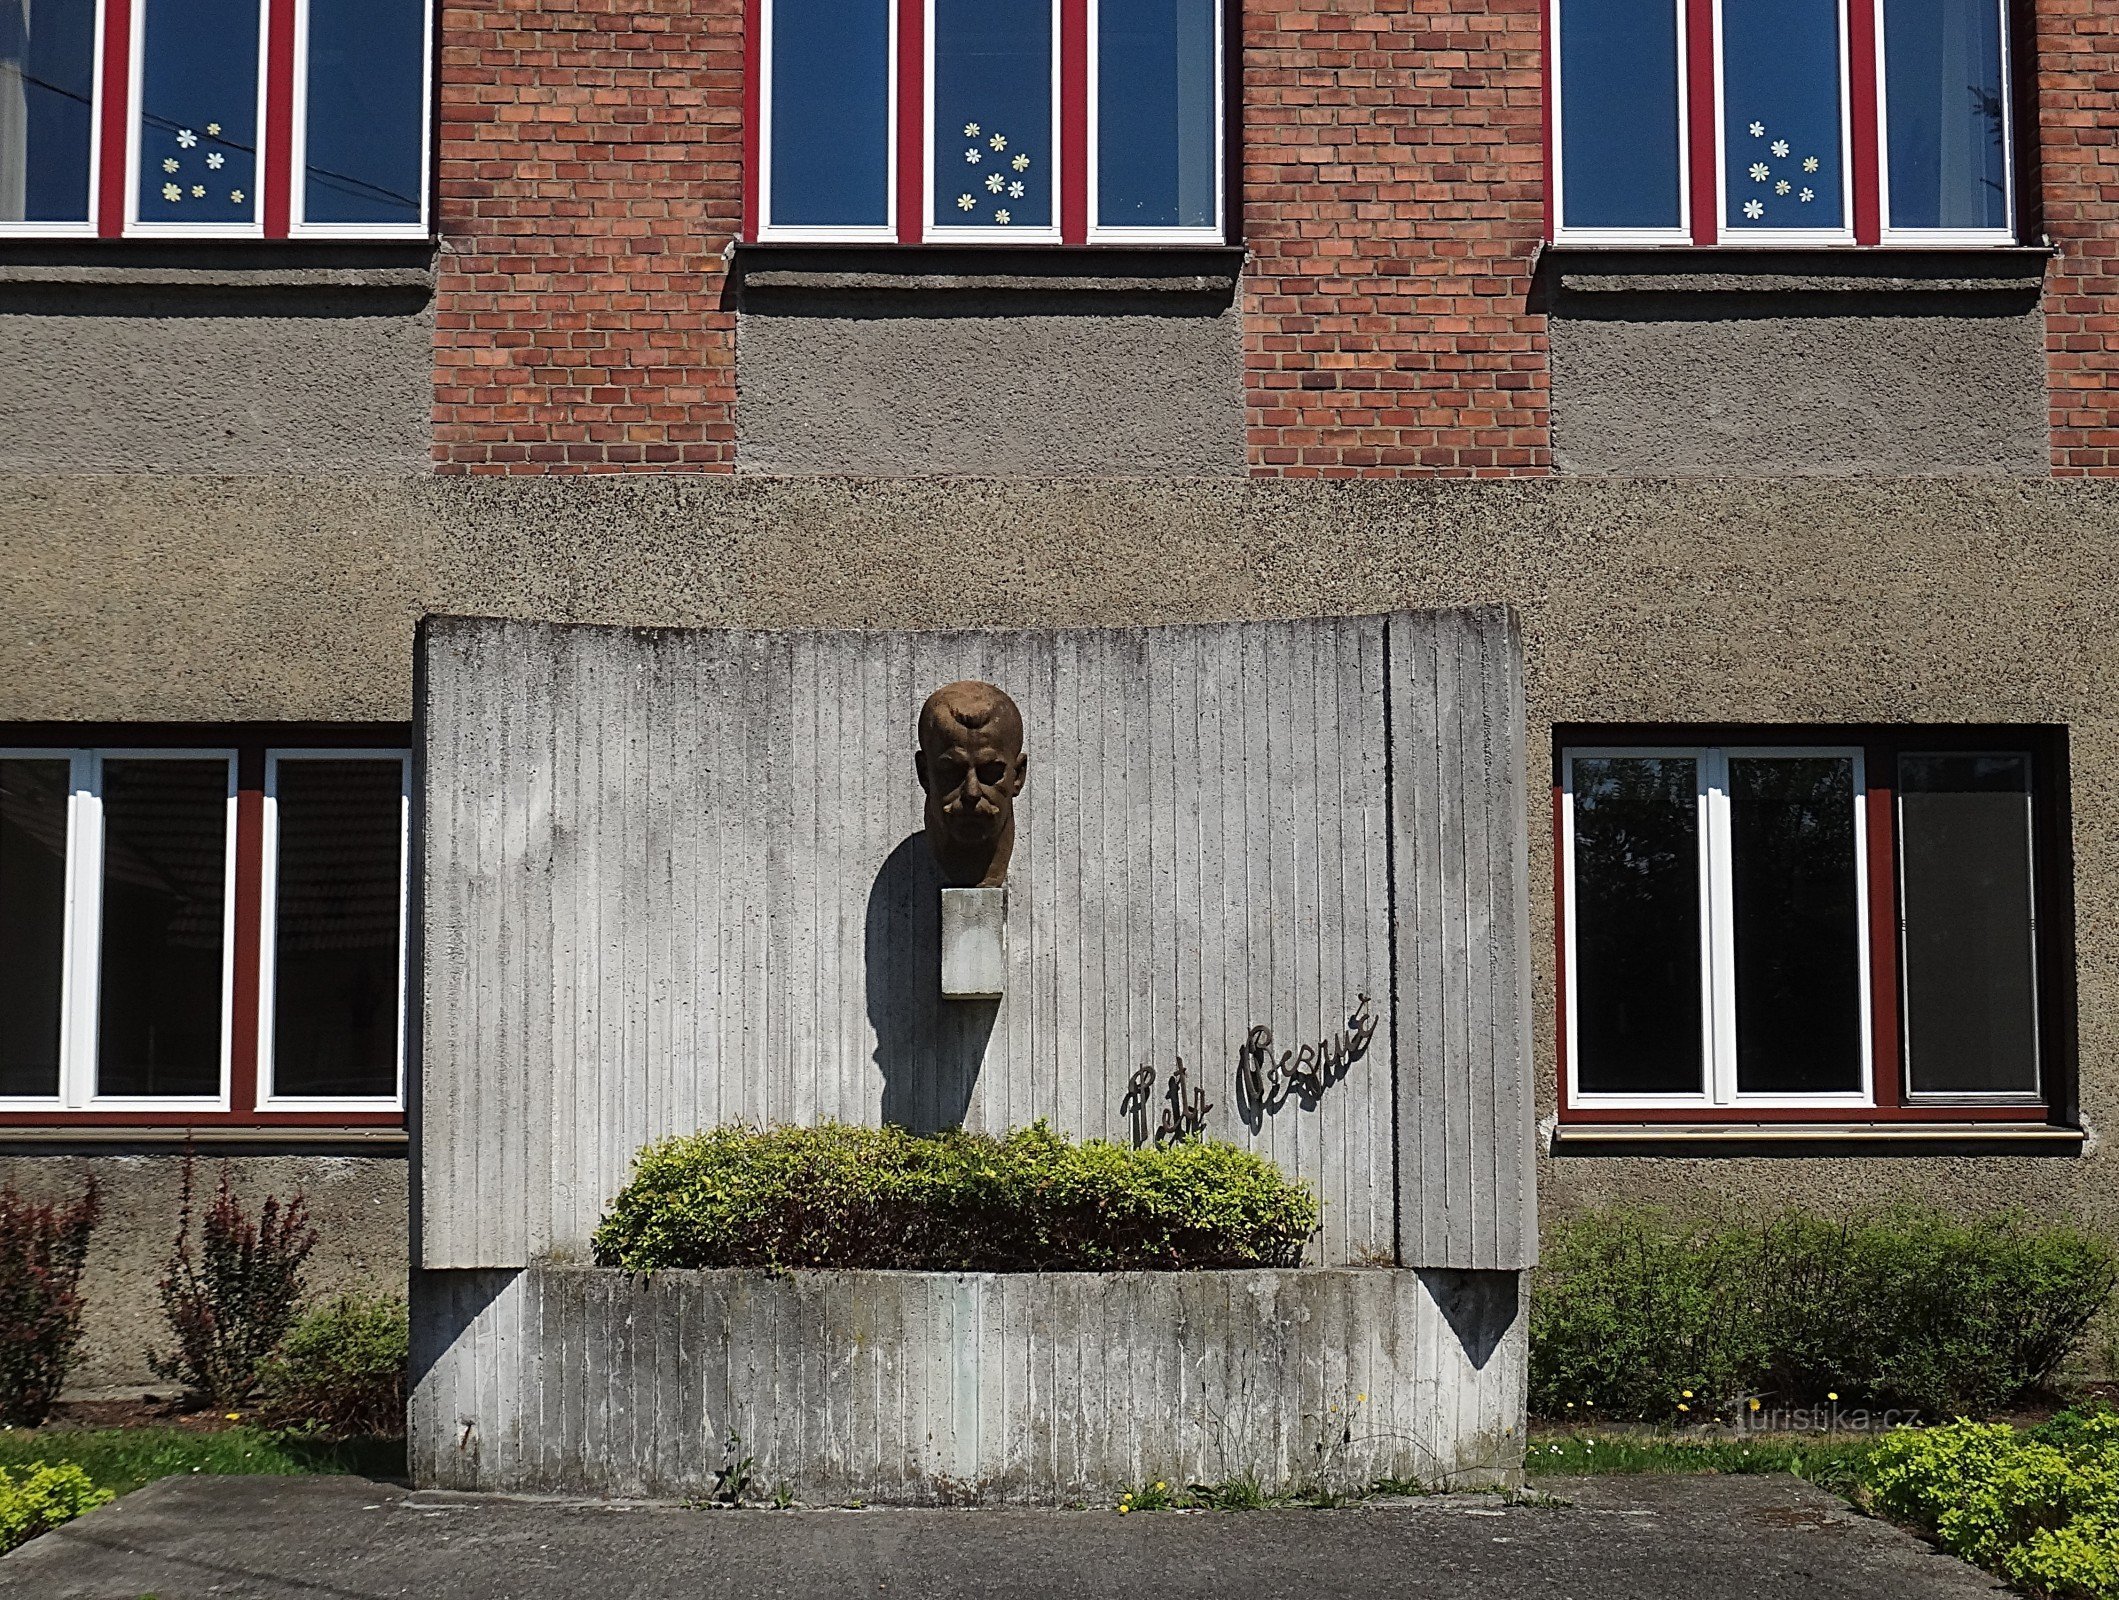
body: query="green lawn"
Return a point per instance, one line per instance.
(1833, 1460)
(121, 1459)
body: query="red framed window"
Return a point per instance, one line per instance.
(1809, 924)
(200, 929)
(1780, 122)
(257, 119)
(985, 121)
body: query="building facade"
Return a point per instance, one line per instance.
(1760, 356)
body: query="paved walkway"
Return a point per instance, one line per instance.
(349, 1539)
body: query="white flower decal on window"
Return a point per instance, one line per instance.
(236, 195)
(1754, 209)
(169, 163)
(1807, 196)
(994, 181)
(1780, 147)
(971, 130)
(213, 127)
(1021, 163)
(172, 193)
(1758, 130)
(1760, 172)
(1781, 187)
(1015, 191)
(1001, 216)
(186, 138)
(972, 156)
(216, 160)
(964, 202)
(998, 142)
(1809, 163)
(198, 191)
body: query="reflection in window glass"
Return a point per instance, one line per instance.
(831, 113)
(33, 797)
(1781, 113)
(993, 113)
(1637, 925)
(1964, 842)
(366, 93)
(198, 112)
(1798, 940)
(1946, 103)
(1156, 125)
(1619, 114)
(165, 862)
(336, 927)
(47, 98)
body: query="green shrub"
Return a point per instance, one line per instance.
(840, 1196)
(341, 1372)
(2039, 1508)
(38, 1498)
(1903, 1307)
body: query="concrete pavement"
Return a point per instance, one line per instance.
(1615, 1538)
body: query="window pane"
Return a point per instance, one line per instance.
(32, 923)
(1964, 850)
(198, 112)
(165, 861)
(1156, 129)
(1781, 110)
(47, 95)
(1798, 944)
(336, 935)
(1945, 99)
(1619, 114)
(831, 113)
(993, 113)
(365, 130)
(1637, 925)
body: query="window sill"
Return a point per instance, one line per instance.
(43, 1140)
(388, 265)
(1838, 269)
(1817, 1138)
(1174, 269)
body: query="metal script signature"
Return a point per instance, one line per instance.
(1185, 1117)
(1307, 1071)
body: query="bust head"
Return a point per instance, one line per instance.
(972, 766)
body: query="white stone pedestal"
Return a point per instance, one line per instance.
(974, 943)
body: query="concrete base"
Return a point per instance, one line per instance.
(930, 1388)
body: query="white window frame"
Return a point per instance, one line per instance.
(771, 232)
(1732, 237)
(268, 1097)
(1100, 233)
(1620, 237)
(81, 936)
(79, 230)
(137, 226)
(298, 155)
(2005, 235)
(933, 232)
(1717, 933)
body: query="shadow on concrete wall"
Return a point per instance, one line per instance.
(1480, 1308)
(929, 1049)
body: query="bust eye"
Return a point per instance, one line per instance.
(992, 772)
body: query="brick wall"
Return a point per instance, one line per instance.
(2078, 177)
(1393, 177)
(590, 175)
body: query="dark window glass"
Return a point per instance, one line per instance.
(1945, 101)
(366, 93)
(199, 112)
(992, 113)
(831, 113)
(1798, 942)
(335, 958)
(1156, 130)
(32, 923)
(1619, 114)
(1781, 113)
(165, 862)
(47, 97)
(1964, 851)
(1637, 925)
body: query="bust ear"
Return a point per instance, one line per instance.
(919, 766)
(1022, 771)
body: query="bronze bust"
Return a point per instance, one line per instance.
(972, 766)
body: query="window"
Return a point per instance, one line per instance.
(1779, 122)
(214, 118)
(1780, 923)
(197, 931)
(1013, 121)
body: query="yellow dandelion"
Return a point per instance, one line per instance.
(1687, 1393)
(1123, 1508)
(1160, 1486)
(1832, 1394)
(1683, 1407)
(1361, 1399)
(235, 1416)
(1754, 1405)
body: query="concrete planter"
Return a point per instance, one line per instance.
(921, 1388)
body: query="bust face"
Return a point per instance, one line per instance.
(972, 766)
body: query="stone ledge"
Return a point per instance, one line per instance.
(1171, 269)
(2003, 269)
(1815, 1138)
(218, 264)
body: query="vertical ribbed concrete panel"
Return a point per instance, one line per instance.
(1460, 861)
(903, 1387)
(676, 879)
